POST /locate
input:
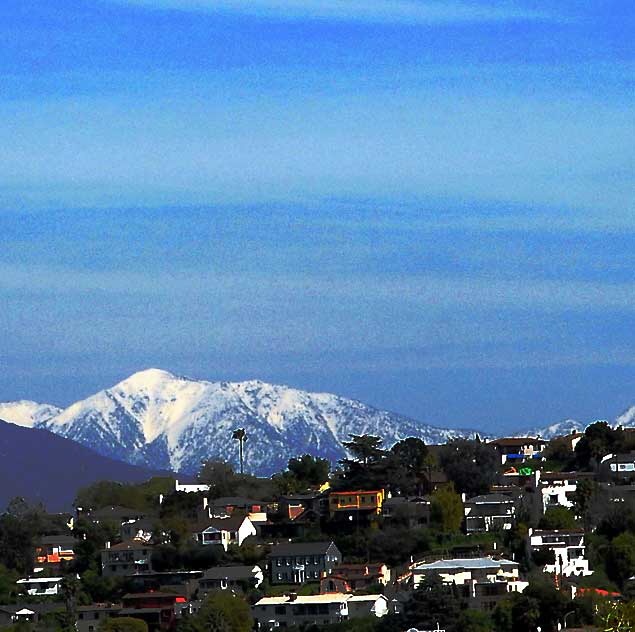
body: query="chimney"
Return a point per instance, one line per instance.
(107, 545)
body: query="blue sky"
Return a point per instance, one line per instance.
(425, 205)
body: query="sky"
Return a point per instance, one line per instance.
(428, 206)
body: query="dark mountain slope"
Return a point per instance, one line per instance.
(41, 466)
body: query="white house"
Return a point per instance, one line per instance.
(41, 586)
(558, 488)
(483, 580)
(225, 531)
(190, 488)
(296, 610)
(568, 548)
(518, 450)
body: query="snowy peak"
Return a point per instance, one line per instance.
(156, 418)
(560, 428)
(627, 418)
(27, 413)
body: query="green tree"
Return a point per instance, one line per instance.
(309, 470)
(557, 518)
(222, 611)
(621, 558)
(617, 616)
(599, 440)
(471, 465)
(431, 603)
(408, 463)
(123, 624)
(476, 621)
(446, 510)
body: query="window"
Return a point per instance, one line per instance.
(278, 562)
(279, 575)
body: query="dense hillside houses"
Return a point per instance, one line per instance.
(452, 536)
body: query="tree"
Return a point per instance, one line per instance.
(446, 509)
(70, 588)
(222, 611)
(557, 518)
(599, 439)
(309, 470)
(471, 465)
(366, 449)
(123, 624)
(617, 616)
(408, 462)
(241, 436)
(475, 621)
(621, 557)
(431, 603)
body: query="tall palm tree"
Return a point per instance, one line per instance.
(241, 436)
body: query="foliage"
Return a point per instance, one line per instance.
(432, 602)
(471, 465)
(139, 496)
(310, 470)
(123, 624)
(475, 621)
(224, 481)
(446, 509)
(617, 616)
(222, 611)
(557, 518)
(621, 557)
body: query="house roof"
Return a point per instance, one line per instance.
(152, 595)
(231, 572)
(129, 545)
(490, 498)
(517, 441)
(235, 501)
(464, 563)
(355, 492)
(301, 548)
(58, 539)
(315, 599)
(115, 512)
(232, 523)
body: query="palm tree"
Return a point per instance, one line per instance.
(241, 436)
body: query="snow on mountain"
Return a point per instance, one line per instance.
(560, 428)
(157, 419)
(26, 413)
(627, 418)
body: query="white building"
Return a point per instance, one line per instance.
(558, 489)
(41, 586)
(225, 531)
(190, 488)
(296, 610)
(569, 551)
(482, 580)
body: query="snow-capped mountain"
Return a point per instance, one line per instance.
(26, 413)
(157, 419)
(560, 428)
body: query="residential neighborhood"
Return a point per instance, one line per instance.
(502, 535)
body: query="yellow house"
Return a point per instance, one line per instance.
(364, 501)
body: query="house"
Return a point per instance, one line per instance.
(413, 511)
(116, 514)
(224, 531)
(351, 577)
(356, 504)
(157, 609)
(40, 586)
(489, 512)
(483, 582)
(567, 549)
(183, 582)
(53, 550)
(89, 618)
(126, 558)
(516, 450)
(232, 577)
(296, 610)
(226, 506)
(311, 506)
(27, 612)
(618, 467)
(299, 562)
(557, 489)
(191, 488)
(142, 529)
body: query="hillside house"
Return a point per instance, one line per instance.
(231, 577)
(518, 450)
(568, 549)
(224, 531)
(483, 581)
(489, 512)
(360, 504)
(54, 550)
(126, 558)
(40, 586)
(295, 610)
(299, 562)
(557, 489)
(348, 578)
(227, 506)
(115, 514)
(413, 511)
